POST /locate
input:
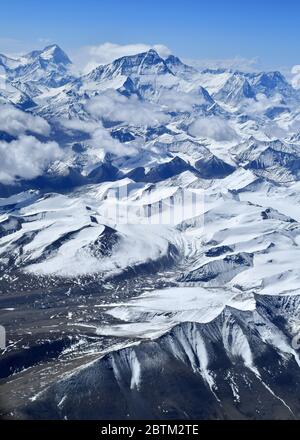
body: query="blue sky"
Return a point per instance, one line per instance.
(196, 29)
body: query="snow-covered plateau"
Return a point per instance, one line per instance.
(149, 240)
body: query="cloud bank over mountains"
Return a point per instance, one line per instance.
(24, 156)
(214, 128)
(123, 107)
(16, 122)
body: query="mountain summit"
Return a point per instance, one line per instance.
(52, 53)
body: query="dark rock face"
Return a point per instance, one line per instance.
(104, 244)
(160, 172)
(48, 182)
(11, 225)
(221, 270)
(200, 371)
(217, 251)
(166, 170)
(122, 135)
(213, 168)
(6, 137)
(138, 174)
(54, 182)
(104, 172)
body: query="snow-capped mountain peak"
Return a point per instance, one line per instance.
(32, 72)
(179, 68)
(235, 90)
(145, 63)
(53, 54)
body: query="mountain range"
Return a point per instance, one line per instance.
(149, 223)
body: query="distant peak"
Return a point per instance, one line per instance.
(173, 60)
(54, 52)
(138, 58)
(52, 47)
(176, 65)
(153, 52)
(50, 53)
(153, 55)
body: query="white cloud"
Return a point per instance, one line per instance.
(100, 138)
(214, 128)
(26, 157)
(274, 131)
(261, 104)
(113, 106)
(79, 125)
(178, 101)
(295, 79)
(88, 57)
(16, 122)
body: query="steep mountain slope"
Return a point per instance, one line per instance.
(223, 362)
